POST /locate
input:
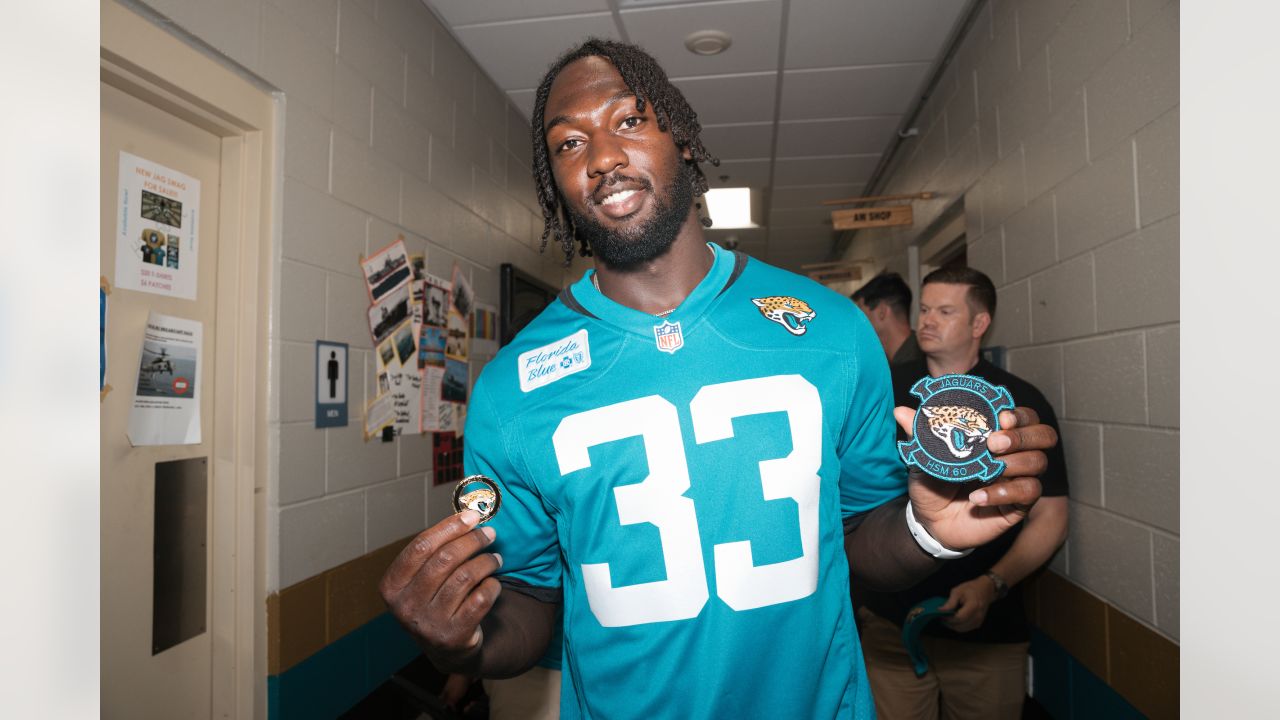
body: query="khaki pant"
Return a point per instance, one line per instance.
(965, 680)
(534, 695)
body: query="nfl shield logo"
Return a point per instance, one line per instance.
(669, 337)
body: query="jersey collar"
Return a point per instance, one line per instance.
(707, 290)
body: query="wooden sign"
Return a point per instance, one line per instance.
(872, 217)
(829, 272)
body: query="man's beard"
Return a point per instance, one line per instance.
(625, 249)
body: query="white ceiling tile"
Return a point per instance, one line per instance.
(468, 12)
(753, 26)
(807, 217)
(824, 171)
(831, 33)
(752, 173)
(847, 136)
(731, 98)
(804, 196)
(739, 142)
(517, 54)
(850, 92)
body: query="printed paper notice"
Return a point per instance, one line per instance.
(156, 244)
(166, 402)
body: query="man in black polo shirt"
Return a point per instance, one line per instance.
(886, 301)
(977, 658)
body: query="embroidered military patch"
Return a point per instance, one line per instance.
(791, 313)
(956, 416)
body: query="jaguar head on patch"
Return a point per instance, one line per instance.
(791, 313)
(962, 429)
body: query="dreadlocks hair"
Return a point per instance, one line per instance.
(644, 77)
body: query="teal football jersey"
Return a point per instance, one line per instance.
(683, 483)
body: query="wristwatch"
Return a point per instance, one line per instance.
(1002, 588)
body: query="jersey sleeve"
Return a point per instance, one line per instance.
(525, 530)
(871, 472)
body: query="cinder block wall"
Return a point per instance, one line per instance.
(1056, 127)
(390, 129)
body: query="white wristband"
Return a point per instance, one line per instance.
(927, 541)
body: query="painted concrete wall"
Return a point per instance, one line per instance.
(390, 129)
(1056, 126)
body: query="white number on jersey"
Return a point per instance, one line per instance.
(659, 499)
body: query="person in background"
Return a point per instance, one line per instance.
(977, 657)
(886, 301)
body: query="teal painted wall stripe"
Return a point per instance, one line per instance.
(1068, 690)
(333, 680)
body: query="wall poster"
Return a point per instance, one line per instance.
(166, 401)
(156, 243)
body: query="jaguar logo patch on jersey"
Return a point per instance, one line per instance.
(668, 336)
(957, 414)
(791, 313)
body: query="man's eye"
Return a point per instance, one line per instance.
(569, 144)
(632, 121)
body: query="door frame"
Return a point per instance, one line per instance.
(149, 58)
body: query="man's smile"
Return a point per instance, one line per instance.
(620, 197)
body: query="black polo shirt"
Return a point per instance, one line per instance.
(1006, 619)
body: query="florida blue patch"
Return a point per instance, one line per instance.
(957, 413)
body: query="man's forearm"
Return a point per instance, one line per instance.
(516, 633)
(882, 554)
(1042, 534)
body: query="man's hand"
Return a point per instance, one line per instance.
(440, 588)
(970, 600)
(967, 515)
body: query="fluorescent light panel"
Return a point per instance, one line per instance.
(730, 208)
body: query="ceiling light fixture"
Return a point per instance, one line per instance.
(731, 208)
(708, 42)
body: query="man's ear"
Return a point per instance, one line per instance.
(981, 322)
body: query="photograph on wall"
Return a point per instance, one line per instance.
(464, 298)
(484, 330)
(386, 315)
(457, 337)
(386, 270)
(454, 387)
(166, 403)
(436, 302)
(158, 213)
(431, 347)
(403, 339)
(418, 290)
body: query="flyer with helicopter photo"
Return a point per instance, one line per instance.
(166, 402)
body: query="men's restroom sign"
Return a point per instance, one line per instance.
(331, 384)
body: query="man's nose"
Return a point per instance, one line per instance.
(607, 155)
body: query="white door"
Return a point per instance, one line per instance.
(139, 679)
